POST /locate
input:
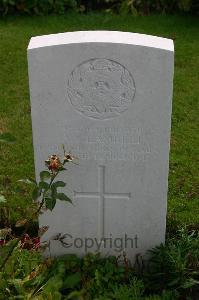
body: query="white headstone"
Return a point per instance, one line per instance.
(107, 97)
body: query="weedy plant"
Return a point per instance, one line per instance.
(17, 276)
(175, 265)
(45, 194)
(28, 276)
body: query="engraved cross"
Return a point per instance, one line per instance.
(102, 196)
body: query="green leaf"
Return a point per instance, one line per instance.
(36, 193)
(45, 175)
(53, 192)
(44, 185)
(62, 169)
(2, 199)
(7, 138)
(72, 281)
(50, 203)
(62, 196)
(59, 184)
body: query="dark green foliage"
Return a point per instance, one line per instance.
(175, 265)
(102, 275)
(17, 273)
(134, 290)
(172, 274)
(147, 6)
(38, 7)
(166, 295)
(45, 7)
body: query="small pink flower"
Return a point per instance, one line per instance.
(53, 163)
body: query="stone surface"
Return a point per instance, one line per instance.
(107, 97)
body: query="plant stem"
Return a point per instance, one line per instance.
(27, 224)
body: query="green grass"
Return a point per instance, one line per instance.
(17, 159)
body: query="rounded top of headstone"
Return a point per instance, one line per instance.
(116, 37)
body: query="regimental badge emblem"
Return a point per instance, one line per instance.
(101, 88)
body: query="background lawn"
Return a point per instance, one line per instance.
(17, 159)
